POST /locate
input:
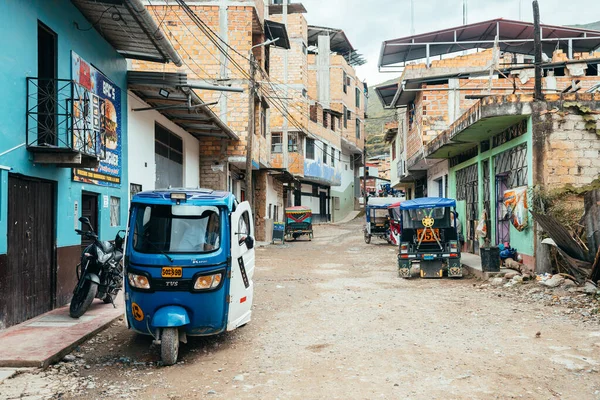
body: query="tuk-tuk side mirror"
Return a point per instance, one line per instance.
(249, 242)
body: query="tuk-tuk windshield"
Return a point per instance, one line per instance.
(413, 219)
(176, 229)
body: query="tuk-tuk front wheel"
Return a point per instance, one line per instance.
(367, 238)
(169, 346)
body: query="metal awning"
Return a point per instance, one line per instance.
(514, 37)
(275, 30)
(128, 26)
(178, 102)
(386, 94)
(339, 43)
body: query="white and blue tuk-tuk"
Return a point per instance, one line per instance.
(189, 263)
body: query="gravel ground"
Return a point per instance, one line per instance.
(332, 320)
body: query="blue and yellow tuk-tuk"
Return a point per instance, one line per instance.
(377, 218)
(298, 222)
(189, 263)
(428, 236)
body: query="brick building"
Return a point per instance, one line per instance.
(318, 138)
(215, 41)
(469, 128)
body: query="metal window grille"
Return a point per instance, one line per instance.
(462, 157)
(115, 211)
(510, 133)
(513, 165)
(467, 190)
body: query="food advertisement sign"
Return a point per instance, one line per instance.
(97, 123)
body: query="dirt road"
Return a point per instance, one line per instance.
(332, 320)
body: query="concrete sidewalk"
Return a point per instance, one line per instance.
(47, 338)
(472, 264)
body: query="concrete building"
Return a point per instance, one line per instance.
(324, 104)
(216, 41)
(64, 139)
(470, 129)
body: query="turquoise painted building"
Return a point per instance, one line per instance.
(63, 138)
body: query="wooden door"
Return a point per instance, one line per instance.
(27, 286)
(89, 208)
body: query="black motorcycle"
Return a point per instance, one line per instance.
(100, 273)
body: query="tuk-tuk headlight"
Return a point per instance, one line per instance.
(453, 244)
(206, 282)
(404, 248)
(138, 281)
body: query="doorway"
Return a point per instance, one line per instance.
(89, 208)
(47, 66)
(28, 283)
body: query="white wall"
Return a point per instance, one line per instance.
(273, 200)
(435, 172)
(142, 168)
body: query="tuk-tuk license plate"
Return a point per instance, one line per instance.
(427, 257)
(428, 235)
(172, 272)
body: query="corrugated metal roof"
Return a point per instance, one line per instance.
(199, 121)
(514, 37)
(129, 28)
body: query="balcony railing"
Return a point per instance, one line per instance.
(65, 119)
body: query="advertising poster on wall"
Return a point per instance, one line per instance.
(100, 117)
(515, 203)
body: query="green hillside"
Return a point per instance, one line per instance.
(378, 116)
(592, 25)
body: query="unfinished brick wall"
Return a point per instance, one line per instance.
(572, 149)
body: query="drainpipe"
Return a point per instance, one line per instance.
(154, 31)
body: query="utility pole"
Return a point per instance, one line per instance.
(412, 17)
(464, 12)
(537, 49)
(364, 156)
(250, 138)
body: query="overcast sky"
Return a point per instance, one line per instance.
(368, 23)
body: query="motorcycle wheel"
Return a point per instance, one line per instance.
(82, 299)
(169, 345)
(367, 238)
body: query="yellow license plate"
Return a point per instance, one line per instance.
(172, 272)
(428, 235)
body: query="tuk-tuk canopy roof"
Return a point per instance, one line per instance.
(298, 208)
(381, 201)
(193, 197)
(427, 202)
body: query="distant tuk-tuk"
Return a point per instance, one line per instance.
(377, 218)
(298, 222)
(189, 263)
(394, 215)
(428, 236)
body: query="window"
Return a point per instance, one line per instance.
(393, 150)
(348, 114)
(134, 189)
(244, 228)
(332, 122)
(357, 93)
(324, 153)
(276, 142)
(176, 229)
(357, 128)
(345, 117)
(293, 142)
(168, 149)
(324, 119)
(411, 115)
(310, 149)
(115, 211)
(345, 82)
(351, 162)
(263, 121)
(332, 157)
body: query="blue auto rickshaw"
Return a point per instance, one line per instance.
(189, 263)
(377, 218)
(428, 236)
